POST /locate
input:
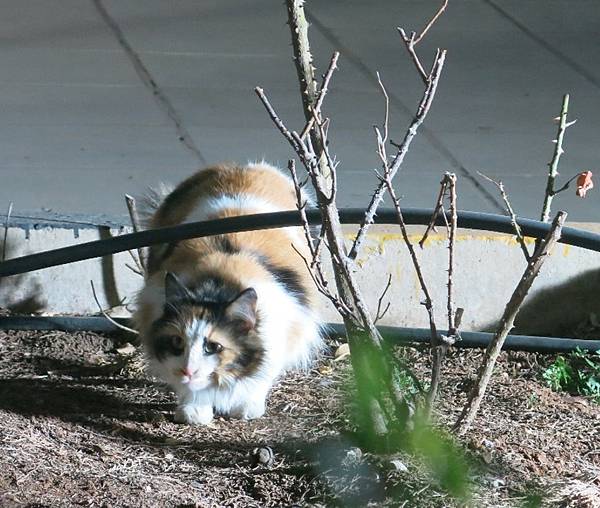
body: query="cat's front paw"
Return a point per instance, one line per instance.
(249, 411)
(194, 415)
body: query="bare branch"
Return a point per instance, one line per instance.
(409, 42)
(103, 312)
(431, 22)
(305, 70)
(436, 343)
(324, 88)
(386, 114)
(135, 223)
(513, 306)
(439, 206)
(275, 118)
(511, 212)
(380, 314)
(553, 165)
(392, 169)
(6, 226)
(451, 184)
(314, 267)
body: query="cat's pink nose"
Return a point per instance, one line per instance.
(186, 372)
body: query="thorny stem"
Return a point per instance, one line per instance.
(322, 92)
(439, 207)
(553, 165)
(513, 306)
(305, 69)
(423, 109)
(363, 336)
(440, 345)
(428, 302)
(511, 212)
(451, 179)
(314, 267)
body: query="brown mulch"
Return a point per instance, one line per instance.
(82, 425)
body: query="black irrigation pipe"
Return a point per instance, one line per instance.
(391, 334)
(466, 219)
(99, 248)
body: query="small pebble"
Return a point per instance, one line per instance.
(399, 466)
(342, 351)
(353, 457)
(262, 456)
(497, 483)
(487, 443)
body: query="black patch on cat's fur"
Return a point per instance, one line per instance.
(157, 255)
(224, 244)
(213, 291)
(162, 346)
(288, 278)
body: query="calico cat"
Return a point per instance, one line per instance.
(222, 317)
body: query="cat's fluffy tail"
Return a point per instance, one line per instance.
(150, 202)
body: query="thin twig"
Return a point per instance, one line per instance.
(409, 42)
(134, 270)
(566, 185)
(314, 267)
(423, 109)
(323, 89)
(135, 223)
(511, 212)
(118, 325)
(439, 206)
(513, 306)
(275, 118)
(6, 226)
(431, 22)
(380, 314)
(136, 260)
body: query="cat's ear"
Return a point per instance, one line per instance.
(174, 288)
(243, 309)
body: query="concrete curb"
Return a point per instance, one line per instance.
(488, 267)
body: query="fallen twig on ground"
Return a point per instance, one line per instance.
(103, 312)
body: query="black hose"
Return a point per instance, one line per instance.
(98, 248)
(390, 333)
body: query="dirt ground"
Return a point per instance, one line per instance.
(82, 425)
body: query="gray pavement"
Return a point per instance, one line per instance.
(103, 97)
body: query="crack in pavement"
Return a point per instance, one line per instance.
(428, 134)
(581, 70)
(144, 74)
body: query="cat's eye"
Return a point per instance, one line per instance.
(177, 342)
(210, 348)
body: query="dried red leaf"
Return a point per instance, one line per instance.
(584, 183)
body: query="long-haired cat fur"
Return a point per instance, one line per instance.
(222, 317)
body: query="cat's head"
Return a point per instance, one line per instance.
(207, 334)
